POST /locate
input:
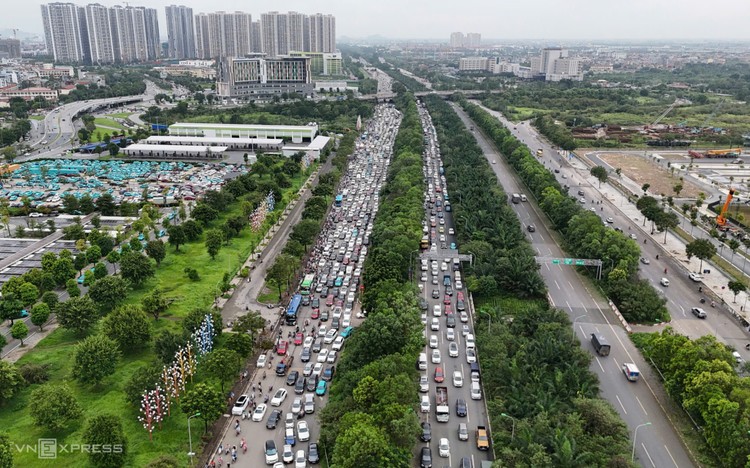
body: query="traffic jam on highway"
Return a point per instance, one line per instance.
(452, 411)
(279, 419)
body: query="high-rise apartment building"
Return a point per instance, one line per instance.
(99, 46)
(62, 32)
(222, 34)
(180, 32)
(473, 40)
(457, 40)
(269, 30)
(470, 41)
(10, 48)
(99, 34)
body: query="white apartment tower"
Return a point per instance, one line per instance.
(99, 46)
(62, 32)
(457, 40)
(222, 34)
(136, 33)
(269, 30)
(180, 32)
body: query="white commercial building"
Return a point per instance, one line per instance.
(473, 64)
(287, 133)
(554, 64)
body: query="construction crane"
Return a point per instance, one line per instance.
(664, 114)
(720, 219)
(15, 33)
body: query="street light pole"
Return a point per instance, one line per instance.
(635, 437)
(191, 454)
(489, 320)
(513, 428)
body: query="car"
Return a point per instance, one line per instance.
(312, 453)
(426, 435)
(272, 455)
(463, 431)
(330, 336)
(464, 317)
(633, 236)
(317, 345)
(451, 231)
(322, 331)
(436, 357)
(309, 403)
(698, 312)
(450, 321)
(465, 463)
(695, 277)
(299, 460)
(303, 432)
(458, 379)
(261, 362)
(281, 348)
(305, 355)
(447, 297)
(531, 228)
(435, 324)
(610, 220)
(476, 392)
(436, 310)
(434, 341)
(317, 369)
(461, 408)
(307, 371)
(311, 383)
(260, 412)
(425, 458)
(273, 419)
(347, 332)
(424, 384)
(296, 405)
(240, 405)
(435, 292)
(645, 261)
(444, 448)
(279, 397)
(324, 316)
(439, 375)
(331, 357)
(338, 343)
(465, 330)
(664, 282)
(289, 437)
(298, 338)
(453, 349)
(308, 342)
(323, 355)
(328, 373)
(291, 379)
(471, 355)
(321, 388)
(450, 334)
(287, 454)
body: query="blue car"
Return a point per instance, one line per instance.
(140, 237)
(453, 246)
(347, 332)
(321, 389)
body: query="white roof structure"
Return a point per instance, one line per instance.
(166, 139)
(176, 148)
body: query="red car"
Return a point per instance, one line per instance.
(329, 300)
(447, 299)
(448, 309)
(281, 348)
(298, 338)
(315, 314)
(439, 376)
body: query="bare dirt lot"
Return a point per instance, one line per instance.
(643, 171)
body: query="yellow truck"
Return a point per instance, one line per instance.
(483, 440)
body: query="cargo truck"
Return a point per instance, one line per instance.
(442, 410)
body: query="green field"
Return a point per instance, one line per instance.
(36, 117)
(56, 350)
(105, 122)
(120, 115)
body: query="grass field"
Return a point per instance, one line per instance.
(36, 117)
(120, 115)
(105, 122)
(56, 350)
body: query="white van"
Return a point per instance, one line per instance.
(422, 363)
(523, 197)
(470, 341)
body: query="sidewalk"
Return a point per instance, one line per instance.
(714, 283)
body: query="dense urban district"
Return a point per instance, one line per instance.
(252, 246)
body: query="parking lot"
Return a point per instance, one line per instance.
(283, 399)
(452, 402)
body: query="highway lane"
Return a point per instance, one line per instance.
(476, 409)
(658, 445)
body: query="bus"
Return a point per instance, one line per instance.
(307, 282)
(292, 309)
(425, 244)
(339, 199)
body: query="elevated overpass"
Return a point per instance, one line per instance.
(383, 97)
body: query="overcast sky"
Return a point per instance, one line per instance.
(503, 19)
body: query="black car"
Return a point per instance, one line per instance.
(426, 432)
(465, 463)
(316, 303)
(305, 300)
(292, 377)
(324, 316)
(324, 291)
(305, 356)
(461, 407)
(449, 290)
(423, 304)
(299, 385)
(312, 453)
(426, 458)
(450, 321)
(312, 383)
(273, 419)
(328, 373)
(436, 294)
(317, 345)
(335, 323)
(531, 228)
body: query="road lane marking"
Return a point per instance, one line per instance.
(599, 361)
(642, 407)
(558, 286)
(670, 456)
(569, 308)
(571, 285)
(648, 455)
(621, 405)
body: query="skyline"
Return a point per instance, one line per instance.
(538, 20)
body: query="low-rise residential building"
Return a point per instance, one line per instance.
(29, 93)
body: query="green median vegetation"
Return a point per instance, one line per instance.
(541, 396)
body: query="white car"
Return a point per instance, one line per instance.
(308, 342)
(278, 397)
(318, 369)
(433, 341)
(424, 404)
(444, 448)
(695, 277)
(261, 361)
(424, 318)
(307, 371)
(471, 356)
(346, 322)
(453, 349)
(458, 379)
(287, 454)
(450, 334)
(451, 231)
(464, 317)
(323, 355)
(465, 330)
(331, 357)
(303, 433)
(260, 412)
(330, 336)
(436, 358)
(424, 383)
(338, 343)
(299, 460)
(35, 215)
(443, 266)
(322, 331)
(436, 311)
(296, 405)
(240, 405)
(435, 324)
